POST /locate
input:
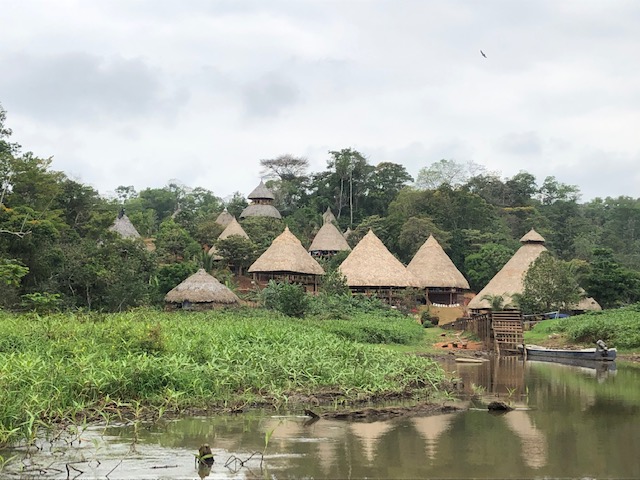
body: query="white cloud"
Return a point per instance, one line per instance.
(140, 92)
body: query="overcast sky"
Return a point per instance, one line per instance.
(143, 92)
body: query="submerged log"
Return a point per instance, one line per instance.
(499, 407)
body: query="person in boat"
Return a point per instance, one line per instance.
(601, 348)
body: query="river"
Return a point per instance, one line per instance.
(568, 422)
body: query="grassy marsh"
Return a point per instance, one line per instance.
(68, 367)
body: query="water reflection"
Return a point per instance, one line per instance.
(569, 422)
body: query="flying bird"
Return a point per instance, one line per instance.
(483, 54)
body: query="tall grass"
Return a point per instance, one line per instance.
(619, 328)
(60, 367)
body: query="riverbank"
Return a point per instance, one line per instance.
(62, 369)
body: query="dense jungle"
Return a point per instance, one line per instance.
(56, 252)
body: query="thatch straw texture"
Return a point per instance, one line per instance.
(257, 210)
(261, 191)
(532, 237)
(234, 228)
(328, 216)
(286, 254)
(510, 279)
(329, 239)
(201, 288)
(370, 264)
(432, 267)
(224, 218)
(123, 226)
(587, 304)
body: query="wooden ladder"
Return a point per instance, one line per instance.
(507, 329)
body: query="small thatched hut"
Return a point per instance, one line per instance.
(123, 226)
(286, 260)
(224, 218)
(233, 228)
(510, 279)
(200, 291)
(261, 203)
(371, 269)
(436, 273)
(329, 217)
(328, 241)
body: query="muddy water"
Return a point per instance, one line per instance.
(569, 421)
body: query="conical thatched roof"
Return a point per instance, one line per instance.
(201, 288)
(347, 232)
(432, 267)
(286, 254)
(233, 228)
(510, 279)
(370, 264)
(260, 210)
(261, 191)
(224, 218)
(123, 226)
(587, 304)
(532, 237)
(328, 216)
(329, 239)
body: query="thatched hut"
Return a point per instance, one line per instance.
(224, 218)
(328, 241)
(123, 226)
(329, 217)
(371, 269)
(261, 203)
(436, 273)
(233, 228)
(286, 260)
(200, 291)
(510, 279)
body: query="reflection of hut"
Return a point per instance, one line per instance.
(370, 434)
(200, 291)
(328, 241)
(371, 269)
(435, 272)
(261, 203)
(534, 442)
(224, 218)
(430, 428)
(510, 279)
(287, 260)
(123, 226)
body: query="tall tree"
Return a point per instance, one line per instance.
(549, 285)
(447, 172)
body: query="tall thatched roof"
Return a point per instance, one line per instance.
(328, 216)
(587, 304)
(370, 264)
(286, 254)
(432, 267)
(260, 210)
(201, 288)
(510, 279)
(329, 239)
(261, 191)
(224, 218)
(123, 226)
(233, 228)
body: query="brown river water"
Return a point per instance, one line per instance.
(568, 422)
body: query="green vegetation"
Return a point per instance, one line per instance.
(618, 328)
(66, 368)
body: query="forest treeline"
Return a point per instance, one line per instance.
(56, 250)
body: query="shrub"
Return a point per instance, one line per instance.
(287, 298)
